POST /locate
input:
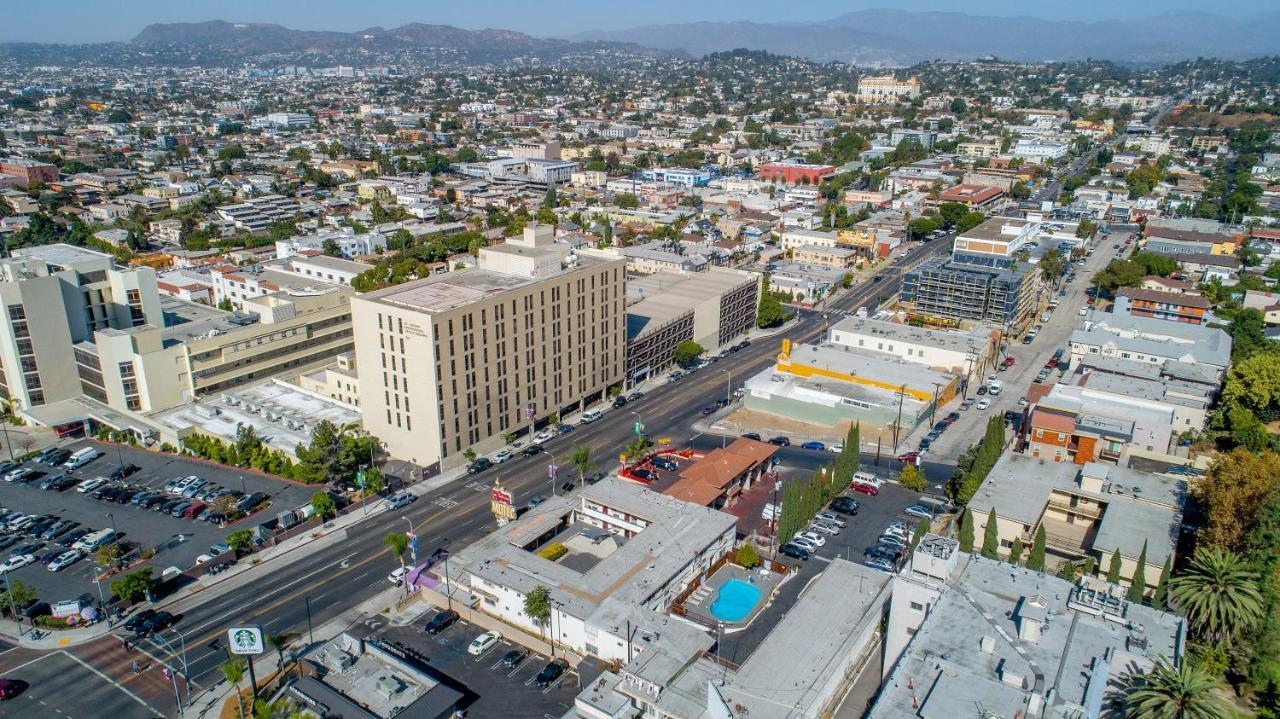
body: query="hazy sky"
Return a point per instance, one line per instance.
(98, 20)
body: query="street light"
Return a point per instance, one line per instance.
(311, 638)
(728, 394)
(448, 589)
(553, 468)
(8, 589)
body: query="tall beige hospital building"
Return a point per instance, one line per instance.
(460, 359)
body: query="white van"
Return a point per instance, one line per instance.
(867, 478)
(92, 541)
(591, 415)
(81, 458)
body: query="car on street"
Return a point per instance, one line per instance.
(795, 551)
(513, 658)
(984, 403)
(158, 622)
(16, 561)
(917, 510)
(480, 465)
(137, 620)
(502, 455)
(544, 436)
(532, 450)
(442, 620)
(64, 560)
(483, 643)
(401, 500)
(396, 577)
(591, 415)
(780, 441)
(619, 401)
(816, 446)
(10, 688)
(550, 673)
(751, 435)
(911, 457)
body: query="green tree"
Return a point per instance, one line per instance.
(1158, 597)
(133, 585)
(686, 352)
(922, 227)
(1113, 569)
(280, 642)
(949, 213)
(20, 594)
(240, 540)
(580, 458)
(1218, 594)
(232, 152)
(1235, 488)
(1035, 560)
(747, 556)
(1181, 692)
(627, 201)
(969, 221)
(1015, 551)
(1138, 587)
(397, 543)
(911, 478)
(771, 312)
(537, 607)
(549, 200)
(323, 505)
(1052, 264)
(233, 671)
(991, 537)
(1086, 228)
(469, 454)
(966, 531)
(1254, 382)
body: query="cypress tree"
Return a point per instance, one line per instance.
(1162, 589)
(1015, 552)
(991, 537)
(966, 531)
(1138, 586)
(1113, 571)
(1035, 561)
(1090, 564)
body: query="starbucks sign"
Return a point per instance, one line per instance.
(245, 640)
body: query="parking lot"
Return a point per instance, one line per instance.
(495, 689)
(176, 541)
(874, 514)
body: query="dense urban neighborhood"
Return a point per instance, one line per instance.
(436, 373)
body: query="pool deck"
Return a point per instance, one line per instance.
(698, 604)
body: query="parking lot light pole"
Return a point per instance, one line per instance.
(112, 517)
(242, 489)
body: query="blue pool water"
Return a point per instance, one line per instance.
(735, 600)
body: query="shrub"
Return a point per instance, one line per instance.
(553, 551)
(747, 556)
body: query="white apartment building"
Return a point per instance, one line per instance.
(535, 328)
(887, 88)
(1034, 149)
(350, 245)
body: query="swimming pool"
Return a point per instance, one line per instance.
(735, 600)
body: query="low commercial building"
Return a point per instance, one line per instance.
(839, 257)
(328, 270)
(349, 244)
(982, 198)
(791, 173)
(1035, 149)
(713, 308)
(1154, 341)
(1091, 510)
(236, 285)
(1189, 236)
(631, 554)
(29, 171)
(959, 352)
(833, 385)
(967, 635)
(370, 678)
(717, 478)
(794, 237)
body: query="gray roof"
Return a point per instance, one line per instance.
(1158, 338)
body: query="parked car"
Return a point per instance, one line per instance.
(917, 510)
(53, 456)
(984, 403)
(666, 464)
(816, 446)
(396, 577)
(880, 564)
(845, 505)
(909, 457)
(483, 643)
(75, 536)
(64, 560)
(591, 415)
(502, 455)
(16, 561)
(751, 435)
(513, 658)
(550, 673)
(401, 500)
(619, 401)
(780, 441)
(804, 543)
(119, 473)
(480, 465)
(863, 488)
(252, 501)
(441, 621)
(215, 551)
(815, 538)
(535, 501)
(820, 527)
(795, 551)
(830, 518)
(193, 510)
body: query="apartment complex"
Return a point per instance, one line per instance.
(1172, 306)
(886, 89)
(29, 171)
(790, 173)
(535, 328)
(54, 297)
(1155, 341)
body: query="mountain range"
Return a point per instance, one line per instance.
(897, 37)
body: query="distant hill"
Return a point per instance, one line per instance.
(897, 37)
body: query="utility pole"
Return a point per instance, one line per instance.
(897, 423)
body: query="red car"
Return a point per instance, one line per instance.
(861, 488)
(1053, 362)
(10, 688)
(909, 457)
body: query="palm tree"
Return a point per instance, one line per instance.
(1218, 594)
(233, 672)
(398, 543)
(580, 456)
(279, 642)
(1182, 692)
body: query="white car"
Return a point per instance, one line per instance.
(815, 537)
(396, 577)
(86, 487)
(502, 456)
(17, 560)
(543, 436)
(836, 448)
(591, 415)
(803, 543)
(983, 403)
(64, 560)
(215, 550)
(483, 643)
(1084, 311)
(831, 518)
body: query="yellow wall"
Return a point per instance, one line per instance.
(801, 370)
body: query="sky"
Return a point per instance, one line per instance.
(99, 20)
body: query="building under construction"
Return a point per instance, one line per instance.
(942, 287)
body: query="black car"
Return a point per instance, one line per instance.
(643, 475)
(885, 552)
(120, 473)
(708, 410)
(982, 389)
(844, 505)
(441, 621)
(532, 449)
(551, 672)
(31, 476)
(780, 441)
(157, 622)
(74, 537)
(7, 540)
(480, 465)
(38, 528)
(512, 659)
(751, 435)
(63, 483)
(137, 620)
(619, 401)
(564, 428)
(153, 501)
(51, 480)
(665, 463)
(795, 551)
(251, 501)
(54, 458)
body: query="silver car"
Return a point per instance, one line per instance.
(825, 528)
